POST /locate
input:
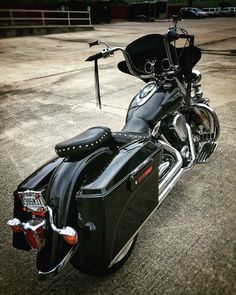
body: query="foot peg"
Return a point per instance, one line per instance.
(205, 152)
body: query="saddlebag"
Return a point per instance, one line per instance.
(116, 201)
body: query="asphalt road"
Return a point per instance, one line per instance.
(47, 95)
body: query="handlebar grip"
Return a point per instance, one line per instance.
(91, 44)
(172, 35)
(95, 56)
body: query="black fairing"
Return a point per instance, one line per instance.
(151, 47)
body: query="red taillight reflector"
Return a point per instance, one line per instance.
(145, 174)
(35, 238)
(39, 213)
(30, 236)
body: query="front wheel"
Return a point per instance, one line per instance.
(123, 257)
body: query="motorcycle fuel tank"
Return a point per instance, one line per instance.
(153, 102)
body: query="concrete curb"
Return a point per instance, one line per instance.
(8, 32)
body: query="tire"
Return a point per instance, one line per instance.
(107, 271)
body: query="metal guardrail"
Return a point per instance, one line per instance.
(43, 18)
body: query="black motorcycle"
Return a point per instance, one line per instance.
(89, 203)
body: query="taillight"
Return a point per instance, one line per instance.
(35, 238)
(39, 214)
(33, 230)
(34, 233)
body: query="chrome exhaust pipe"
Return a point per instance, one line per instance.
(173, 172)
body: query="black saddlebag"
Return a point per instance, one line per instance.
(117, 201)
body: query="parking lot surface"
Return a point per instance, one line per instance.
(47, 95)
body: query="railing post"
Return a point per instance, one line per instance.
(68, 16)
(89, 18)
(12, 19)
(43, 19)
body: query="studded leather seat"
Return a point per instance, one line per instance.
(96, 137)
(84, 143)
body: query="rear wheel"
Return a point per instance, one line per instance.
(121, 259)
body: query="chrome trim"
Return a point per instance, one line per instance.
(66, 230)
(192, 148)
(51, 221)
(174, 170)
(197, 76)
(14, 222)
(207, 149)
(169, 187)
(61, 231)
(180, 126)
(214, 119)
(129, 63)
(122, 253)
(155, 130)
(27, 225)
(60, 265)
(163, 167)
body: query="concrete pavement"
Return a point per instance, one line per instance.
(47, 95)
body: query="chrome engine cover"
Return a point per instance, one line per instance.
(179, 125)
(175, 130)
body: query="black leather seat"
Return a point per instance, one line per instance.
(84, 143)
(96, 137)
(135, 128)
(136, 125)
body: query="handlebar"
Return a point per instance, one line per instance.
(95, 57)
(173, 35)
(108, 52)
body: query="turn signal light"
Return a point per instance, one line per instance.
(72, 240)
(15, 225)
(17, 228)
(69, 235)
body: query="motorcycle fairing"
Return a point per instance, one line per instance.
(151, 47)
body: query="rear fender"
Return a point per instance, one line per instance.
(61, 198)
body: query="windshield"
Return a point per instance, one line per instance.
(151, 48)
